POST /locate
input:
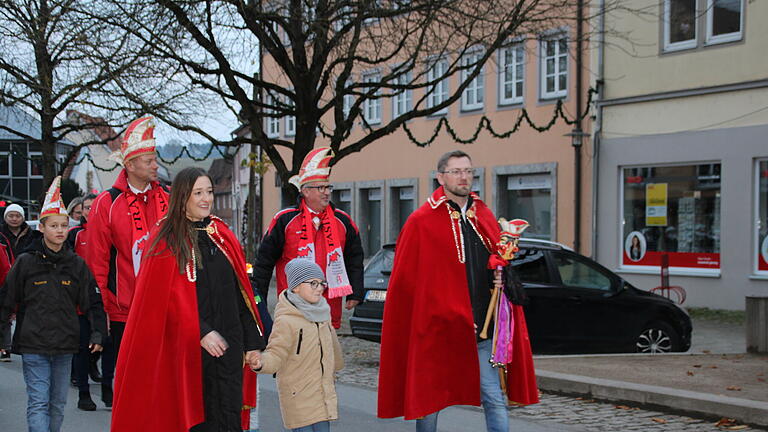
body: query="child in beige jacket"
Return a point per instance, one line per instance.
(304, 351)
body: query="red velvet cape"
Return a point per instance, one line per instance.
(158, 379)
(428, 347)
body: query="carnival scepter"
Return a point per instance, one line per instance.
(507, 247)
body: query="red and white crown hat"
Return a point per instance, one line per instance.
(314, 168)
(53, 205)
(138, 139)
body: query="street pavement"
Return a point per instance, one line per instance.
(357, 408)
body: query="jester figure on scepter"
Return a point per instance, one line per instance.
(446, 272)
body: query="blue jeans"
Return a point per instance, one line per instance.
(47, 378)
(492, 397)
(323, 426)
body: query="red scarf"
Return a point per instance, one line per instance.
(335, 270)
(140, 230)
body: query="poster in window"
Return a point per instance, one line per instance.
(762, 259)
(656, 204)
(635, 246)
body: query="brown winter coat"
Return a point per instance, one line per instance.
(305, 356)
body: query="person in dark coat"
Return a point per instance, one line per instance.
(193, 322)
(84, 363)
(46, 287)
(16, 230)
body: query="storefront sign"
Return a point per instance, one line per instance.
(677, 259)
(656, 204)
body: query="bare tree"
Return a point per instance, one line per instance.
(330, 60)
(55, 56)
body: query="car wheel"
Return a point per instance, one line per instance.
(657, 337)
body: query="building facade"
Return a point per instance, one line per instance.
(529, 175)
(21, 173)
(682, 148)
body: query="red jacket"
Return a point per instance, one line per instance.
(281, 243)
(110, 241)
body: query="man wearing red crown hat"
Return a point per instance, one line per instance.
(314, 229)
(118, 229)
(47, 286)
(431, 354)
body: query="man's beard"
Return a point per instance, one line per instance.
(459, 191)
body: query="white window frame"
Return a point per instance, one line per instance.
(669, 46)
(271, 124)
(558, 92)
(516, 98)
(473, 97)
(402, 101)
(290, 121)
(723, 38)
(438, 92)
(372, 104)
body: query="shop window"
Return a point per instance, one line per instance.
(370, 221)
(403, 204)
(673, 210)
(342, 199)
(761, 228)
(529, 197)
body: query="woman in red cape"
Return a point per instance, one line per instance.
(429, 358)
(192, 321)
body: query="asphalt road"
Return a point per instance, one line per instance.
(356, 411)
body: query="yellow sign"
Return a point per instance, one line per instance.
(656, 204)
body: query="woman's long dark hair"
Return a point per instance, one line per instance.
(176, 229)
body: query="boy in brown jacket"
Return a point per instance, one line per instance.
(304, 351)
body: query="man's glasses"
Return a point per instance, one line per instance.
(322, 189)
(458, 171)
(317, 284)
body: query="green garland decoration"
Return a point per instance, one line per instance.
(485, 123)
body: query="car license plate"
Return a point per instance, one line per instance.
(376, 295)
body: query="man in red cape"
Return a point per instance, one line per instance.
(160, 366)
(438, 294)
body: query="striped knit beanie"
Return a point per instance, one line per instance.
(300, 270)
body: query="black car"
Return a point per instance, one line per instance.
(575, 305)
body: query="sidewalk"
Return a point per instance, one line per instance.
(715, 379)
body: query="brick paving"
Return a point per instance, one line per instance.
(362, 361)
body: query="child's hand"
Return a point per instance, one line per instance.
(95, 347)
(253, 358)
(214, 344)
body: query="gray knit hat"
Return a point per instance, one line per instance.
(299, 270)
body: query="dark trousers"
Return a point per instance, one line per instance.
(81, 360)
(111, 350)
